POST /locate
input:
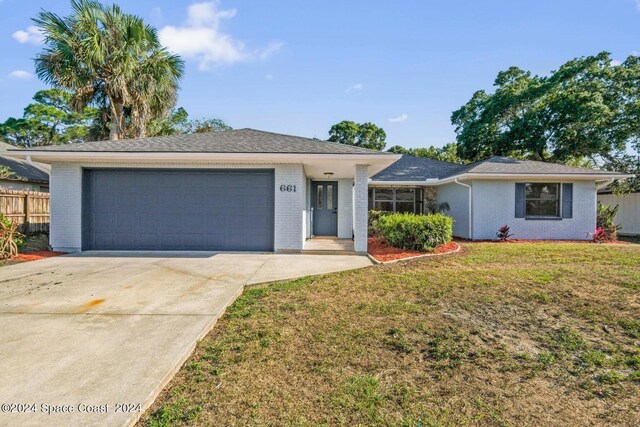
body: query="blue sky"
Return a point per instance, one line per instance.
(298, 67)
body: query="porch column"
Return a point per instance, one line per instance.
(360, 208)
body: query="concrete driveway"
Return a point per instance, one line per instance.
(102, 332)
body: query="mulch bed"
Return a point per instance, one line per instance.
(36, 255)
(614, 242)
(381, 251)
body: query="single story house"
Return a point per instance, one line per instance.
(249, 190)
(23, 175)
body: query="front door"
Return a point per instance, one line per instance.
(325, 208)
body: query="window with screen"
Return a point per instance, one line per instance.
(542, 200)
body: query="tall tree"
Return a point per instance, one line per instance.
(177, 122)
(48, 120)
(110, 58)
(366, 135)
(587, 110)
(446, 153)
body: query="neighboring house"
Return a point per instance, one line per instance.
(24, 175)
(628, 210)
(261, 191)
(537, 200)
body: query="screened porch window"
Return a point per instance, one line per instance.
(396, 199)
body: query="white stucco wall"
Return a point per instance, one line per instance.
(494, 206)
(345, 208)
(66, 201)
(457, 196)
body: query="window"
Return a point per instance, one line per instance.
(542, 200)
(405, 200)
(383, 199)
(396, 199)
(319, 200)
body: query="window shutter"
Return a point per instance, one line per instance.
(567, 200)
(520, 202)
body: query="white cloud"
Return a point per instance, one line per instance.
(20, 74)
(271, 48)
(401, 118)
(355, 88)
(615, 62)
(201, 38)
(31, 35)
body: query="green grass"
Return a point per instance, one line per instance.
(502, 334)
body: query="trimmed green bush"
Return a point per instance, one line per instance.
(374, 216)
(416, 232)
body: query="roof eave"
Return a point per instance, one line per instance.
(421, 183)
(503, 176)
(538, 176)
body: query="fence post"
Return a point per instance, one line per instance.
(27, 214)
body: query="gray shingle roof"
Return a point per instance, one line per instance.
(410, 168)
(231, 141)
(22, 170)
(509, 166)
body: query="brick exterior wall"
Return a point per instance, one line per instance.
(66, 201)
(494, 206)
(65, 186)
(289, 209)
(360, 204)
(345, 208)
(457, 196)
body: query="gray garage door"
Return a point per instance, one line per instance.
(211, 210)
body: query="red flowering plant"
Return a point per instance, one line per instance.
(503, 233)
(601, 235)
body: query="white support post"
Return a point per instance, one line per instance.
(360, 208)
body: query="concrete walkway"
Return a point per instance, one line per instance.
(92, 331)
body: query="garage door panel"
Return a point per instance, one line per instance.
(178, 209)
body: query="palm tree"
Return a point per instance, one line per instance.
(112, 59)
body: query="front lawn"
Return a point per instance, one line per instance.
(500, 334)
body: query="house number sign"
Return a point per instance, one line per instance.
(288, 188)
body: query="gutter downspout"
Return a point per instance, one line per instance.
(470, 202)
(30, 163)
(604, 184)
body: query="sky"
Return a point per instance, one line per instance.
(298, 67)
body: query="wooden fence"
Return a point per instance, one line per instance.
(29, 208)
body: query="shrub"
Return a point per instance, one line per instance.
(503, 233)
(10, 238)
(372, 227)
(605, 221)
(600, 235)
(416, 232)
